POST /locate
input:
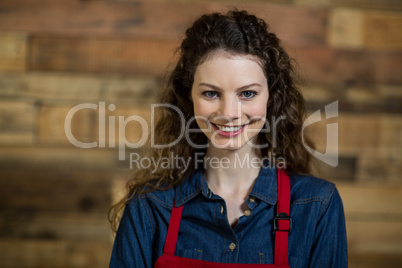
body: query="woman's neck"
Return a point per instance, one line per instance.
(232, 172)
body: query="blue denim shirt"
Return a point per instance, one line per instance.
(317, 239)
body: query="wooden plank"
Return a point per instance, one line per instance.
(45, 87)
(100, 54)
(51, 127)
(391, 138)
(386, 65)
(373, 202)
(373, 99)
(382, 30)
(94, 125)
(342, 68)
(56, 226)
(214, 1)
(13, 51)
(380, 169)
(357, 134)
(381, 5)
(391, 91)
(374, 236)
(319, 65)
(312, 3)
(351, 129)
(16, 122)
(346, 28)
(374, 260)
(369, 148)
(47, 188)
(54, 254)
(97, 17)
(317, 94)
(35, 156)
(353, 28)
(166, 19)
(134, 130)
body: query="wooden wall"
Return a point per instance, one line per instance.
(55, 55)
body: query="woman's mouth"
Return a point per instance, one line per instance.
(229, 131)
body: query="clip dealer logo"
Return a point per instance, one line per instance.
(108, 123)
(330, 156)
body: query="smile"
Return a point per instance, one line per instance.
(229, 131)
(229, 128)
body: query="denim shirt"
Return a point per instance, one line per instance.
(317, 238)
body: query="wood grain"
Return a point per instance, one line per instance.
(55, 156)
(101, 55)
(62, 88)
(17, 124)
(13, 51)
(48, 188)
(149, 19)
(318, 65)
(382, 30)
(371, 133)
(56, 226)
(375, 236)
(375, 5)
(346, 28)
(51, 126)
(362, 201)
(341, 69)
(93, 125)
(54, 254)
(353, 28)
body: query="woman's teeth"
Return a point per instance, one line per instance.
(229, 129)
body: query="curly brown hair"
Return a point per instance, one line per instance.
(236, 32)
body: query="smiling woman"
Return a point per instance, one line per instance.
(230, 92)
(232, 78)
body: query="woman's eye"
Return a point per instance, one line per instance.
(210, 94)
(248, 94)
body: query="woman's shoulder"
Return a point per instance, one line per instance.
(308, 188)
(151, 198)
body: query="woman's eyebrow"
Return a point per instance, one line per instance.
(219, 89)
(210, 86)
(250, 85)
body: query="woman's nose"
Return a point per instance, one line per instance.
(230, 108)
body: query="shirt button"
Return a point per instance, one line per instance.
(222, 209)
(247, 212)
(232, 246)
(251, 199)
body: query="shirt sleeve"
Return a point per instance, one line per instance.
(133, 243)
(330, 246)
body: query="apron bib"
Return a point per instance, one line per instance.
(282, 227)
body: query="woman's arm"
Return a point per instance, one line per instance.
(330, 247)
(133, 242)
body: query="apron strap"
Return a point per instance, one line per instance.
(173, 230)
(282, 221)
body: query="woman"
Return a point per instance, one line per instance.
(247, 167)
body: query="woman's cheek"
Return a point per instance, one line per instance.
(257, 110)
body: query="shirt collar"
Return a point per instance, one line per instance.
(265, 187)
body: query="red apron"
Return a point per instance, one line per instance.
(282, 226)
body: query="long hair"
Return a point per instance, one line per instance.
(240, 33)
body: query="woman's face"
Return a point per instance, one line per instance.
(230, 96)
